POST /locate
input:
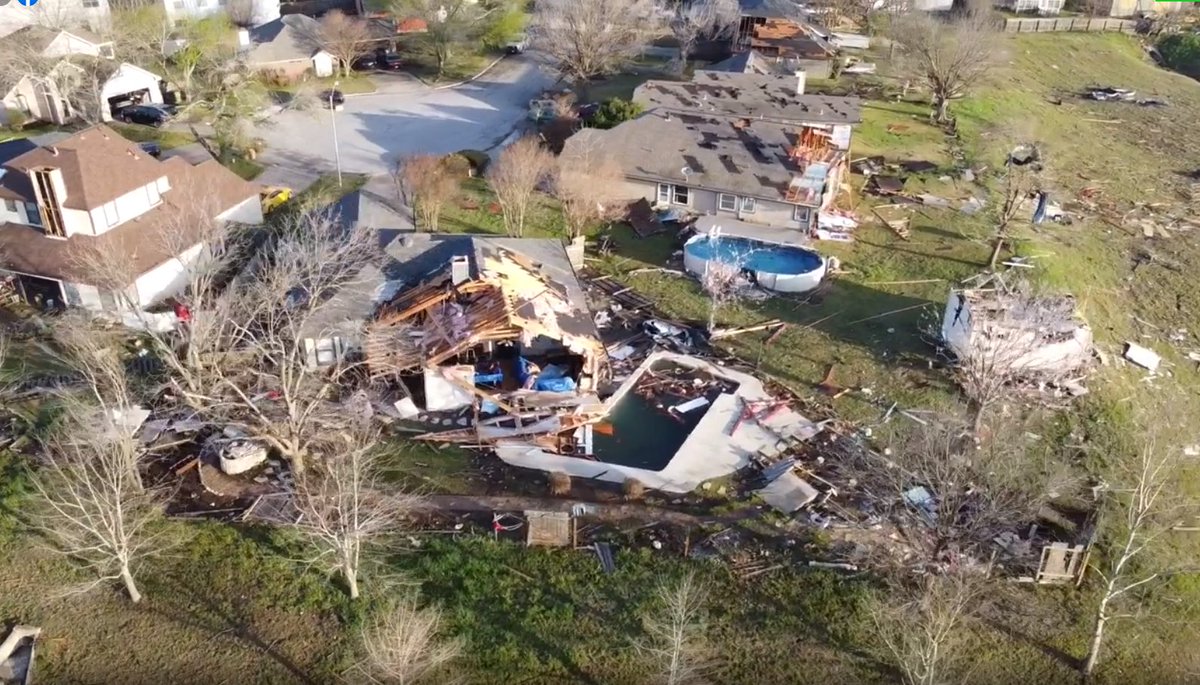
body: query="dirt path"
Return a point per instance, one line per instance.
(606, 512)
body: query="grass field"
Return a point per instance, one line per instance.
(230, 603)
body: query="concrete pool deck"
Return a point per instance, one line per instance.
(708, 452)
(743, 229)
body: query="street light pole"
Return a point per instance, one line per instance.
(337, 154)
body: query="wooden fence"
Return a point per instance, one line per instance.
(1051, 24)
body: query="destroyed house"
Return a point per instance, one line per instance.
(749, 147)
(457, 317)
(1000, 326)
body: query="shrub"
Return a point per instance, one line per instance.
(614, 111)
(17, 119)
(560, 484)
(1181, 52)
(633, 489)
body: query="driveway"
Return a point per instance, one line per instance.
(403, 116)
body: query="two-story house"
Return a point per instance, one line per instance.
(752, 147)
(96, 195)
(97, 14)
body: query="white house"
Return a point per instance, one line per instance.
(49, 43)
(97, 14)
(96, 193)
(38, 97)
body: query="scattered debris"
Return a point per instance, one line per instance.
(885, 185)
(604, 554)
(17, 654)
(1144, 357)
(550, 529)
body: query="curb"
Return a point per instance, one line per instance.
(456, 84)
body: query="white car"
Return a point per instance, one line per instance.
(517, 45)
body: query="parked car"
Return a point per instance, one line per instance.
(586, 111)
(332, 97)
(147, 115)
(364, 63)
(273, 198)
(151, 148)
(517, 45)
(390, 61)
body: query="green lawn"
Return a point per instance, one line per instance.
(166, 138)
(230, 603)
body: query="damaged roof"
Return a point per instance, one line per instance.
(758, 96)
(789, 9)
(742, 156)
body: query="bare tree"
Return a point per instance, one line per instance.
(676, 644)
(921, 627)
(590, 39)
(950, 497)
(448, 24)
(948, 56)
(91, 502)
(720, 281)
(708, 19)
(1145, 510)
(1019, 184)
(427, 182)
(586, 182)
(346, 38)
(346, 508)
(406, 646)
(246, 355)
(515, 177)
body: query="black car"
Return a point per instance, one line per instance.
(366, 63)
(389, 61)
(147, 115)
(332, 97)
(151, 148)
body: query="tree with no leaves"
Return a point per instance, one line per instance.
(974, 493)
(346, 508)
(920, 626)
(428, 184)
(720, 281)
(708, 19)
(1145, 509)
(1019, 184)
(586, 182)
(91, 503)
(676, 646)
(245, 357)
(591, 39)
(406, 646)
(948, 56)
(345, 37)
(514, 179)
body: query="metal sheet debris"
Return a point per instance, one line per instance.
(1144, 357)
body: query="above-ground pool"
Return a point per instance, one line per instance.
(783, 268)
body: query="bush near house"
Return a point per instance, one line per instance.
(1181, 52)
(613, 111)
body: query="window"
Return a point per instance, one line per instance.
(800, 214)
(664, 193)
(32, 215)
(326, 351)
(179, 4)
(106, 51)
(680, 196)
(91, 4)
(748, 205)
(10, 206)
(727, 203)
(152, 194)
(108, 300)
(110, 214)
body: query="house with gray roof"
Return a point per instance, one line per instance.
(428, 300)
(750, 147)
(288, 48)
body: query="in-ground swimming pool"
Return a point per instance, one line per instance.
(784, 268)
